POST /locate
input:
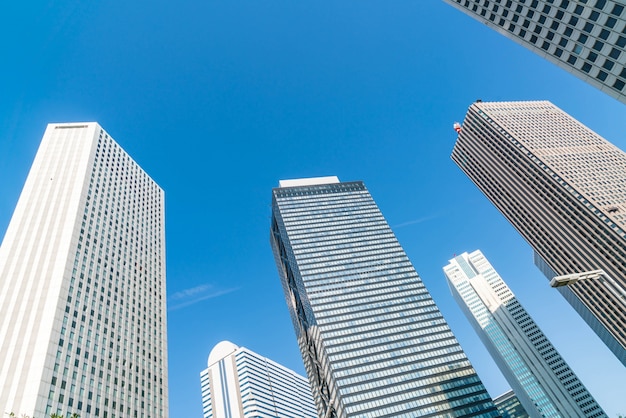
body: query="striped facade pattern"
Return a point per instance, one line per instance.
(509, 406)
(586, 38)
(373, 341)
(243, 384)
(541, 379)
(82, 284)
(562, 187)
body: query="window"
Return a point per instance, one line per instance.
(615, 53)
(598, 45)
(604, 34)
(608, 64)
(610, 22)
(617, 10)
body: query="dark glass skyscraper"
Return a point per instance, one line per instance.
(562, 186)
(373, 341)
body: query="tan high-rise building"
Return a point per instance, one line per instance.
(82, 284)
(563, 187)
(586, 38)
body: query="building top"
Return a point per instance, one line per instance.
(221, 350)
(311, 181)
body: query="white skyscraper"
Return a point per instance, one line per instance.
(242, 384)
(542, 381)
(82, 284)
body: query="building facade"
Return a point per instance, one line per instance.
(542, 381)
(82, 284)
(509, 406)
(586, 38)
(239, 383)
(562, 187)
(373, 341)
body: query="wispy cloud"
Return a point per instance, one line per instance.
(415, 221)
(193, 295)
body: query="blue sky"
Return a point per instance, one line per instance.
(217, 101)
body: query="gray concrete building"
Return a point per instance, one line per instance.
(586, 38)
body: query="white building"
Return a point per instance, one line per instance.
(239, 383)
(586, 38)
(82, 284)
(542, 381)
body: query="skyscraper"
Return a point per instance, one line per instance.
(82, 284)
(239, 383)
(562, 187)
(586, 38)
(542, 381)
(373, 341)
(509, 406)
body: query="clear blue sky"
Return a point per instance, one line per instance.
(217, 101)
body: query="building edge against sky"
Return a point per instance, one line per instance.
(541, 379)
(509, 406)
(587, 40)
(82, 284)
(239, 383)
(372, 339)
(561, 186)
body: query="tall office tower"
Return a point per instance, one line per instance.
(239, 383)
(586, 38)
(373, 341)
(509, 406)
(82, 284)
(542, 381)
(562, 187)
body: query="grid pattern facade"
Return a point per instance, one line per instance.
(586, 38)
(561, 186)
(373, 341)
(509, 406)
(82, 284)
(247, 385)
(543, 382)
